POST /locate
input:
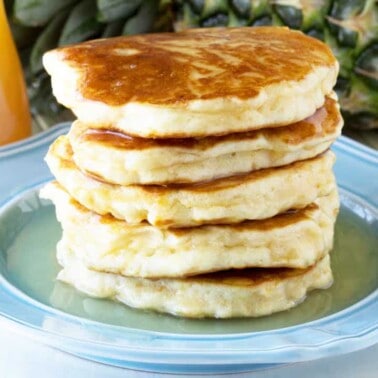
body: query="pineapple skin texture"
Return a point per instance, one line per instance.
(349, 28)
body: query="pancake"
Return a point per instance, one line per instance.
(194, 83)
(234, 293)
(294, 239)
(257, 195)
(121, 159)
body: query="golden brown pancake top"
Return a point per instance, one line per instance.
(175, 68)
(322, 123)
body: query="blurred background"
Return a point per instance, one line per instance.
(349, 27)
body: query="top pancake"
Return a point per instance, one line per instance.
(194, 83)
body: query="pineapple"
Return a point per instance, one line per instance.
(349, 27)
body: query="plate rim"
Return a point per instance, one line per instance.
(336, 315)
(343, 144)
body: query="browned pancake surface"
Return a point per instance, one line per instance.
(196, 64)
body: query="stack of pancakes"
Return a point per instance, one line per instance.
(197, 179)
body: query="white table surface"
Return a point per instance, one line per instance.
(21, 357)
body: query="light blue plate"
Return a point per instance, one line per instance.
(334, 321)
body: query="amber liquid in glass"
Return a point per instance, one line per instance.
(15, 120)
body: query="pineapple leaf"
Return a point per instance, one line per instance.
(111, 10)
(261, 10)
(314, 13)
(263, 21)
(81, 23)
(23, 36)
(290, 16)
(46, 40)
(8, 4)
(235, 21)
(366, 66)
(190, 19)
(241, 7)
(345, 10)
(38, 12)
(113, 29)
(215, 13)
(360, 27)
(359, 106)
(143, 21)
(197, 5)
(217, 20)
(214, 7)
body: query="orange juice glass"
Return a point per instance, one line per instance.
(15, 120)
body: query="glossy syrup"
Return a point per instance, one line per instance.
(322, 124)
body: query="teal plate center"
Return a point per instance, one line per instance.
(29, 232)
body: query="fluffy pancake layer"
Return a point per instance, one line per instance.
(257, 195)
(249, 292)
(214, 81)
(120, 159)
(294, 239)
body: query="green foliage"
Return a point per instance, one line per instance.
(38, 12)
